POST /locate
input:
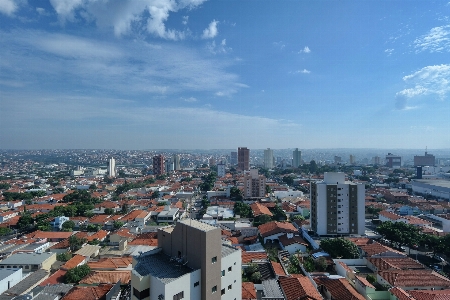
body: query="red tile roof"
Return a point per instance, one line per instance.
(110, 263)
(88, 292)
(75, 261)
(277, 268)
(430, 295)
(413, 278)
(248, 257)
(248, 291)
(113, 277)
(275, 227)
(55, 278)
(339, 288)
(259, 210)
(299, 287)
(399, 263)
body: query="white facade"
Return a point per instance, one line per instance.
(112, 167)
(221, 170)
(231, 280)
(290, 193)
(9, 278)
(268, 158)
(332, 201)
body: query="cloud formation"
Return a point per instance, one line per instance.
(305, 50)
(437, 40)
(211, 31)
(304, 71)
(428, 81)
(123, 15)
(8, 7)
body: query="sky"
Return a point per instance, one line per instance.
(222, 74)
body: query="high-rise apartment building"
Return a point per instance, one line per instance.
(111, 167)
(254, 184)
(221, 170)
(176, 162)
(243, 159)
(296, 158)
(337, 206)
(190, 263)
(168, 166)
(268, 158)
(424, 160)
(376, 160)
(352, 159)
(158, 165)
(233, 158)
(393, 161)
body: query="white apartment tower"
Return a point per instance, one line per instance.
(297, 158)
(268, 158)
(337, 206)
(221, 170)
(176, 162)
(112, 167)
(254, 184)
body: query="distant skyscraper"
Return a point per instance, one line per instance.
(112, 167)
(176, 162)
(296, 158)
(376, 160)
(158, 165)
(425, 160)
(352, 159)
(233, 158)
(268, 158)
(221, 170)
(169, 166)
(243, 159)
(393, 161)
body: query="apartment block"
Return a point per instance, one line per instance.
(243, 159)
(158, 165)
(254, 184)
(337, 206)
(190, 263)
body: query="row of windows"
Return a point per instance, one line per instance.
(229, 270)
(222, 292)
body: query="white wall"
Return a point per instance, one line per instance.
(184, 283)
(232, 278)
(13, 279)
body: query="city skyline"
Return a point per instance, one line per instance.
(196, 74)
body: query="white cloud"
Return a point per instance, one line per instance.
(8, 7)
(216, 49)
(428, 81)
(190, 99)
(211, 31)
(437, 40)
(279, 45)
(185, 20)
(124, 15)
(304, 71)
(389, 51)
(305, 50)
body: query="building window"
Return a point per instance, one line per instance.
(214, 289)
(196, 284)
(229, 269)
(222, 292)
(179, 296)
(229, 287)
(214, 259)
(223, 273)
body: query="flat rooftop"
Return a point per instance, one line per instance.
(440, 183)
(198, 225)
(161, 266)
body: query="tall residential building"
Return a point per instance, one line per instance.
(296, 158)
(352, 159)
(233, 158)
(337, 159)
(112, 167)
(254, 184)
(243, 159)
(425, 160)
(158, 165)
(168, 166)
(268, 158)
(176, 162)
(337, 206)
(221, 170)
(393, 161)
(190, 263)
(376, 160)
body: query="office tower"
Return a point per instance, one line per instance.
(158, 165)
(233, 158)
(337, 206)
(393, 161)
(112, 167)
(168, 166)
(254, 184)
(190, 262)
(296, 158)
(268, 158)
(221, 170)
(243, 159)
(376, 160)
(352, 159)
(176, 162)
(425, 160)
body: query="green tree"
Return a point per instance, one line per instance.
(339, 248)
(400, 233)
(312, 166)
(63, 256)
(76, 274)
(308, 264)
(268, 189)
(75, 243)
(68, 225)
(370, 278)
(321, 264)
(25, 221)
(5, 231)
(298, 217)
(236, 194)
(262, 219)
(162, 203)
(109, 211)
(125, 208)
(242, 209)
(289, 180)
(4, 186)
(93, 228)
(155, 194)
(279, 214)
(117, 224)
(256, 277)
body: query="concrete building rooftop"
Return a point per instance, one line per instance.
(198, 225)
(227, 250)
(27, 258)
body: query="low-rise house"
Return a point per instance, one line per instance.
(29, 262)
(337, 288)
(292, 243)
(101, 291)
(51, 236)
(299, 287)
(259, 209)
(75, 261)
(413, 279)
(273, 230)
(9, 278)
(58, 221)
(4, 217)
(248, 291)
(168, 215)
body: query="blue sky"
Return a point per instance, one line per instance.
(196, 74)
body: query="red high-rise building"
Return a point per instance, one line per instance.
(243, 159)
(158, 165)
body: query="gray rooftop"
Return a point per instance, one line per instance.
(160, 266)
(227, 250)
(440, 183)
(6, 272)
(197, 224)
(271, 289)
(27, 258)
(26, 284)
